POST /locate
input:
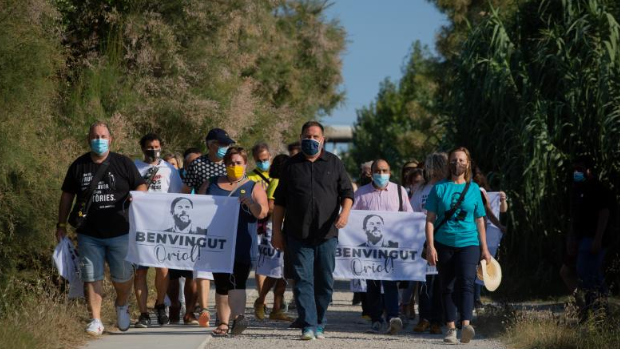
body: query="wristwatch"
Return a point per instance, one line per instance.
(61, 225)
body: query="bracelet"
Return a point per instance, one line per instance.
(61, 225)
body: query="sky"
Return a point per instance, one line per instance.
(379, 37)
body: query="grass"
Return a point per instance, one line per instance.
(544, 329)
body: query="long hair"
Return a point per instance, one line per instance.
(468, 172)
(435, 165)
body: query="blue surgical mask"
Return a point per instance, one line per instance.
(263, 165)
(99, 146)
(578, 176)
(221, 151)
(381, 179)
(310, 146)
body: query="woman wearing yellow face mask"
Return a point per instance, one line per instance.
(230, 296)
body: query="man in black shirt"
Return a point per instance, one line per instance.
(104, 235)
(313, 189)
(590, 207)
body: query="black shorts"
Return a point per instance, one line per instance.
(225, 282)
(175, 274)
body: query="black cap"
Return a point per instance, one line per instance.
(217, 134)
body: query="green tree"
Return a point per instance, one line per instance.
(401, 123)
(531, 90)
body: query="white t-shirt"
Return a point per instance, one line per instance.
(420, 194)
(167, 178)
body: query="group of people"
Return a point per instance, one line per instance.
(303, 198)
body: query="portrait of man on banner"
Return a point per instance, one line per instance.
(182, 210)
(373, 226)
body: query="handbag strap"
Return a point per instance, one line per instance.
(400, 198)
(153, 171)
(87, 199)
(453, 210)
(262, 176)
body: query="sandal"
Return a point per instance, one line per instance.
(219, 331)
(203, 319)
(239, 325)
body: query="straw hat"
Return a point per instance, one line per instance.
(490, 274)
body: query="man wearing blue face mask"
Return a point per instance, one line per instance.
(200, 170)
(315, 195)
(381, 195)
(101, 180)
(591, 205)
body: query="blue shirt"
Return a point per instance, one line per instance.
(460, 230)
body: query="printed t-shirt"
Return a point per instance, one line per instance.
(167, 179)
(420, 195)
(107, 217)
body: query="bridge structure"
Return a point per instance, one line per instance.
(338, 138)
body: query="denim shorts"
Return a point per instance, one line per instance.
(94, 252)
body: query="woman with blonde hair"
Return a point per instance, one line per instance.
(456, 240)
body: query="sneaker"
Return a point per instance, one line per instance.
(296, 324)
(162, 318)
(376, 327)
(203, 319)
(190, 319)
(319, 333)
(95, 328)
(422, 326)
(396, 325)
(467, 334)
(307, 335)
(239, 325)
(436, 329)
(451, 336)
(122, 318)
(144, 321)
(259, 311)
(279, 316)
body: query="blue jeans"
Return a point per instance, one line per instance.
(457, 274)
(94, 252)
(313, 268)
(378, 302)
(590, 272)
(430, 299)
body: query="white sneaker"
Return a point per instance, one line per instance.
(396, 324)
(95, 327)
(467, 334)
(122, 318)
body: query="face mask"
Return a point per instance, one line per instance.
(151, 155)
(381, 179)
(310, 147)
(221, 151)
(457, 169)
(263, 165)
(235, 172)
(578, 177)
(99, 146)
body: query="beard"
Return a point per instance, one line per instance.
(182, 221)
(374, 236)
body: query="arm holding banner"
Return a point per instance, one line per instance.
(66, 199)
(489, 212)
(257, 203)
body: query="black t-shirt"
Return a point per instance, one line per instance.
(108, 214)
(589, 198)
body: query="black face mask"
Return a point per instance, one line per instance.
(457, 169)
(365, 180)
(151, 155)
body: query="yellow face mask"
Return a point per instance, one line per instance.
(235, 172)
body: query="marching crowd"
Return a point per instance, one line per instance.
(303, 198)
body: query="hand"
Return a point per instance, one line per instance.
(342, 220)
(60, 233)
(486, 255)
(431, 256)
(502, 196)
(596, 246)
(277, 240)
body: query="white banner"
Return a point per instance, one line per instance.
(494, 235)
(180, 231)
(382, 246)
(270, 261)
